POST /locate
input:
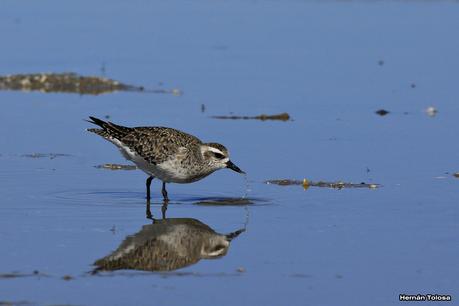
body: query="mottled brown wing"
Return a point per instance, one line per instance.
(158, 144)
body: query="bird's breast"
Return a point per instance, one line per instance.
(175, 171)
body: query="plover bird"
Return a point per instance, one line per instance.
(165, 153)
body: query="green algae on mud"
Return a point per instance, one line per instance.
(262, 117)
(71, 83)
(334, 185)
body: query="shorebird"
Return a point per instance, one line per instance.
(168, 154)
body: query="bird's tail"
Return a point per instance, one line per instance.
(109, 129)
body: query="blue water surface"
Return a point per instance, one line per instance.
(329, 64)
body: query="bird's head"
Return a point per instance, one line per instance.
(217, 156)
(217, 246)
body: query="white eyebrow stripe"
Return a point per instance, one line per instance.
(215, 150)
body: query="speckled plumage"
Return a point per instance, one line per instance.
(166, 153)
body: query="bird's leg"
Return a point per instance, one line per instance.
(164, 191)
(148, 212)
(149, 179)
(164, 208)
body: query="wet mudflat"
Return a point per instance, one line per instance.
(329, 65)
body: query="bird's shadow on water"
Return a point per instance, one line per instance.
(226, 201)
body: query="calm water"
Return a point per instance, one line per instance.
(318, 61)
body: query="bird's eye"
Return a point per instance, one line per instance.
(218, 248)
(219, 156)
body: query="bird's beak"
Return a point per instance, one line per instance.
(233, 167)
(233, 235)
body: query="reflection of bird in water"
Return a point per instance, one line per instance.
(167, 244)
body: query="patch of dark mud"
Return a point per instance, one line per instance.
(67, 277)
(263, 117)
(15, 303)
(15, 274)
(71, 83)
(116, 167)
(45, 155)
(334, 185)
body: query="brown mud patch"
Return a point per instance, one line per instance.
(262, 117)
(15, 274)
(71, 83)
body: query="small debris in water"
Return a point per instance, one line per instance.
(413, 85)
(45, 155)
(67, 277)
(103, 68)
(263, 117)
(306, 184)
(382, 112)
(431, 111)
(116, 167)
(241, 270)
(335, 185)
(456, 174)
(203, 108)
(176, 92)
(380, 62)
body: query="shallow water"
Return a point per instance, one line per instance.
(330, 65)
